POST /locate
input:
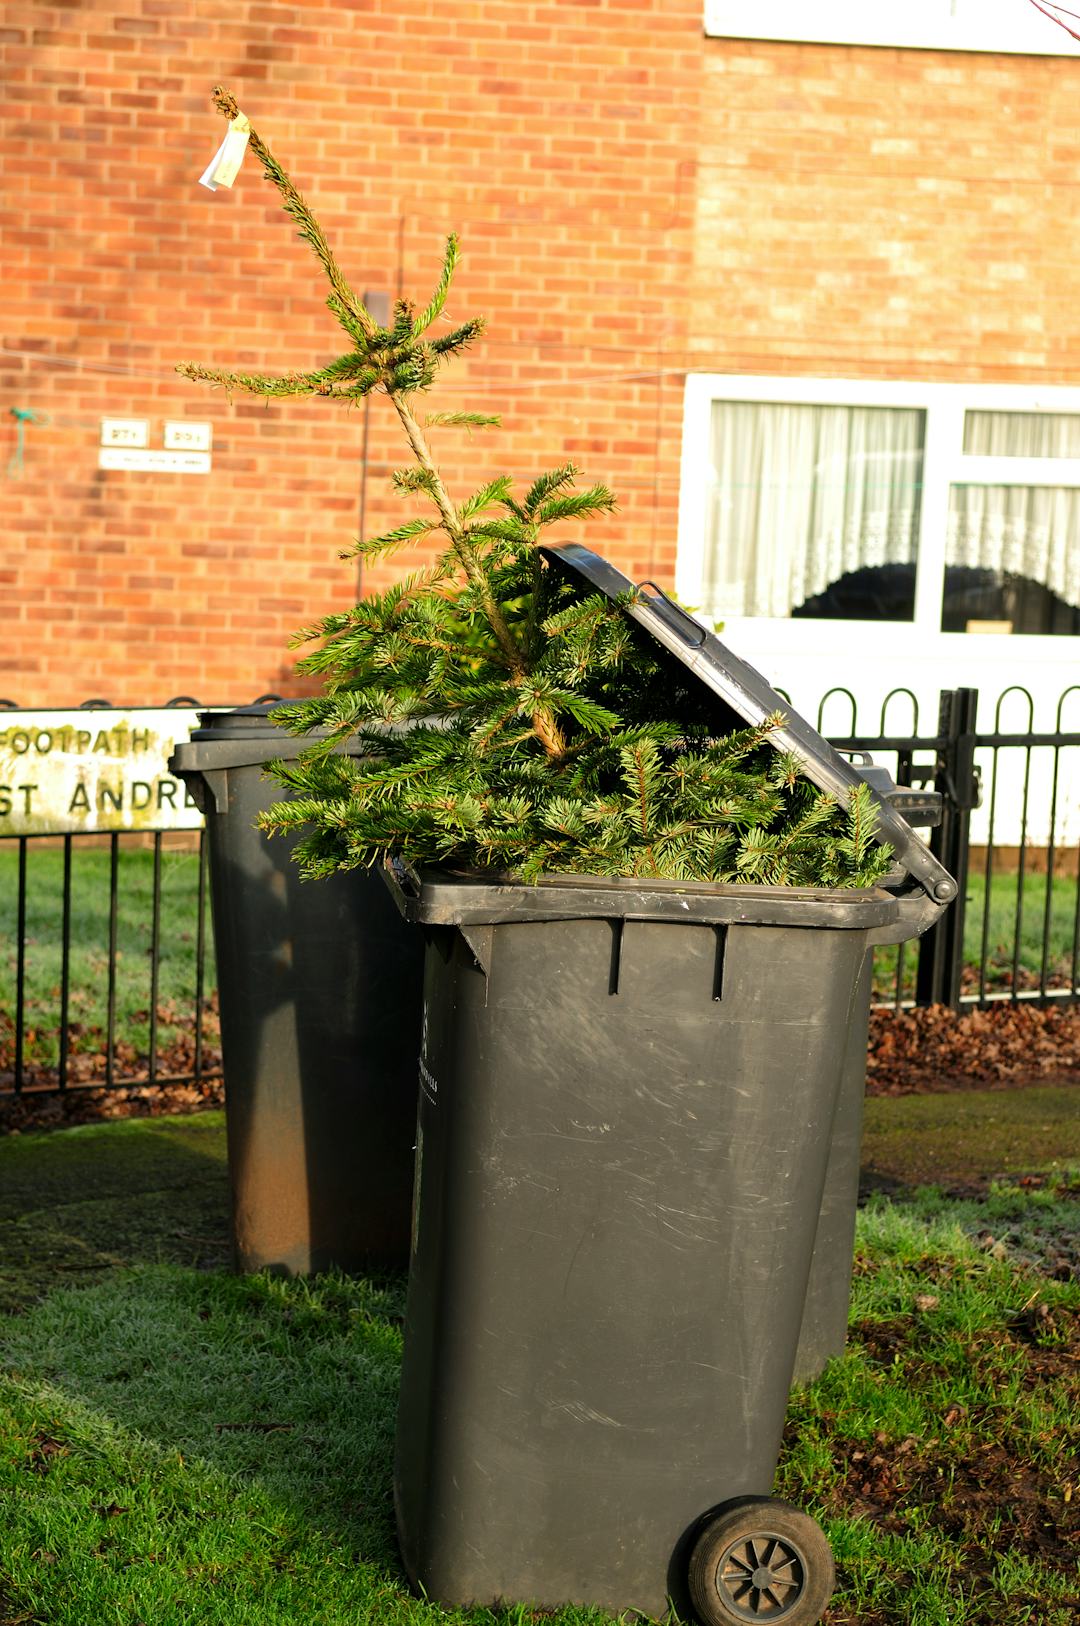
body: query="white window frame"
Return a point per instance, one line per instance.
(1010, 26)
(944, 464)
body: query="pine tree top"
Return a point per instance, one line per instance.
(485, 713)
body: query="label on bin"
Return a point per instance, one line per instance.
(429, 1083)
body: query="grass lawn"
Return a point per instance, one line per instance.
(78, 1204)
(1000, 920)
(180, 1445)
(939, 1139)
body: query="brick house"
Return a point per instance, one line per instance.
(807, 303)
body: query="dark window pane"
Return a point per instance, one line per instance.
(1003, 602)
(876, 593)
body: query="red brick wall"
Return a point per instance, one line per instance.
(632, 199)
(558, 139)
(888, 214)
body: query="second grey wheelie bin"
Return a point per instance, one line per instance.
(823, 1334)
(320, 986)
(628, 1092)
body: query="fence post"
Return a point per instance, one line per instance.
(941, 951)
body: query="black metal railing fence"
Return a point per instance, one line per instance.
(106, 957)
(1009, 833)
(86, 1038)
(74, 1014)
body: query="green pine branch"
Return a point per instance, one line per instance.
(462, 420)
(438, 298)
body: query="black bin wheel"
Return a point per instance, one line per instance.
(761, 1560)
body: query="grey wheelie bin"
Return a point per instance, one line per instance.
(628, 1092)
(320, 986)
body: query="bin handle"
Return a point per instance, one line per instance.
(402, 880)
(863, 756)
(674, 613)
(916, 913)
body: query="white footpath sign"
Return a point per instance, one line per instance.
(66, 772)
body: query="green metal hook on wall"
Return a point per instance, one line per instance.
(22, 416)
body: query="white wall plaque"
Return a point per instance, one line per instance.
(125, 432)
(67, 772)
(942, 25)
(182, 436)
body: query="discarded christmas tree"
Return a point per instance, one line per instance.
(508, 721)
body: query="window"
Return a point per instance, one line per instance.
(950, 507)
(944, 25)
(804, 495)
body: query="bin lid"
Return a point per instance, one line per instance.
(248, 737)
(240, 722)
(748, 698)
(244, 737)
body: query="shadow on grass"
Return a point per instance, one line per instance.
(291, 1384)
(196, 1433)
(965, 1140)
(177, 1443)
(78, 1203)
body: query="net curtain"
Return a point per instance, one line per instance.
(1029, 531)
(801, 495)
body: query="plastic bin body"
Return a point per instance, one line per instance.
(828, 1293)
(624, 1132)
(320, 986)
(823, 1334)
